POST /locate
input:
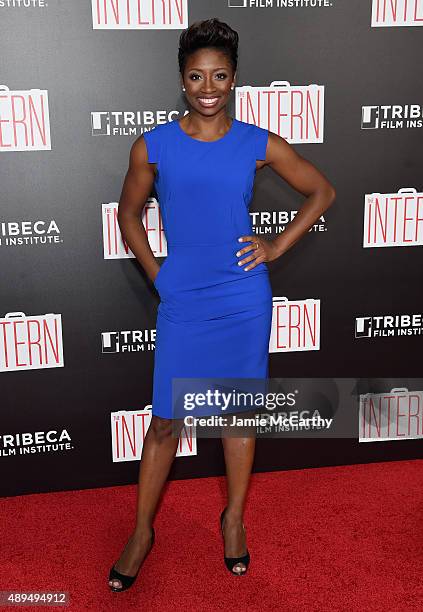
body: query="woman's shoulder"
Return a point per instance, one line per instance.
(158, 131)
(257, 137)
(154, 139)
(252, 128)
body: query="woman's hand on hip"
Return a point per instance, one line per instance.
(259, 251)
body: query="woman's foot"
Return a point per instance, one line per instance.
(134, 553)
(235, 541)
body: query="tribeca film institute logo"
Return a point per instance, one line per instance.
(391, 117)
(39, 232)
(28, 443)
(389, 326)
(129, 341)
(125, 123)
(269, 4)
(23, 4)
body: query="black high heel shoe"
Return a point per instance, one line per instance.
(127, 581)
(230, 562)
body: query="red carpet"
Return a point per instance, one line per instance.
(329, 539)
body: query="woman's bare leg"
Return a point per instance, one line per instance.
(239, 457)
(158, 452)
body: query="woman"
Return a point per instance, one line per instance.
(214, 317)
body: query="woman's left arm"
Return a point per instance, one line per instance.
(303, 176)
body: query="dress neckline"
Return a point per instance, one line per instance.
(206, 141)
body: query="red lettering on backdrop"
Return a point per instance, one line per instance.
(43, 341)
(157, 225)
(392, 6)
(4, 344)
(302, 107)
(383, 219)
(116, 229)
(296, 316)
(377, 413)
(126, 433)
(23, 112)
(186, 434)
(116, 11)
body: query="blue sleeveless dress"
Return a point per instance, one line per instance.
(214, 318)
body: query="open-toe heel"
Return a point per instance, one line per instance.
(230, 562)
(127, 581)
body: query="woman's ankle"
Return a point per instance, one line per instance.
(143, 530)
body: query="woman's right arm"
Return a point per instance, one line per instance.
(136, 189)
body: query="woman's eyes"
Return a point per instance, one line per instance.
(219, 74)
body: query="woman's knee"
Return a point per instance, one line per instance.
(164, 428)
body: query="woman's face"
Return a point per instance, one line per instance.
(208, 78)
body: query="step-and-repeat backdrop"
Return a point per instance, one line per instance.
(80, 81)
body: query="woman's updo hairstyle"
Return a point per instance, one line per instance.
(208, 33)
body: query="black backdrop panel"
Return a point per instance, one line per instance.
(100, 85)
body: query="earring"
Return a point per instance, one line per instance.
(183, 89)
(232, 87)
